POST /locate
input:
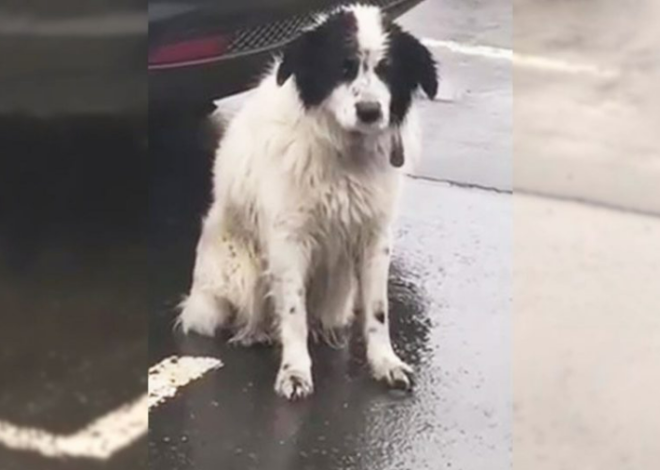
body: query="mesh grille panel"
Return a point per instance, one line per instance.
(268, 35)
(279, 32)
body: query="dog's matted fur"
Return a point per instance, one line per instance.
(305, 187)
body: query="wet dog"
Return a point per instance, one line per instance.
(297, 239)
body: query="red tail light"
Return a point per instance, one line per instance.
(192, 50)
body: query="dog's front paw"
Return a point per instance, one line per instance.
(294, 384)
(392, 371)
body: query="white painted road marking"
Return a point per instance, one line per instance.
(116, 430)
(522, 60)
(466, 49)
(99, 440)
(168, 376)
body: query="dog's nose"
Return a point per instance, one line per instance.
(368, 111)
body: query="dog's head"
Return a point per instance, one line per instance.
(360, 67)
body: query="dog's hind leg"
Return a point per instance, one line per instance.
(253, 322)
(202, 312)
(223, 278)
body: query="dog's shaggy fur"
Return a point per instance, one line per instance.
(305, 187)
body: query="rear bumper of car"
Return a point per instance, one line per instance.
(196, 84)
(71, 65)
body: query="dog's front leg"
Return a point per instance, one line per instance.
(288, 264)
(373, 270)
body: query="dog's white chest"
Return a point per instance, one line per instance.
(347, 208)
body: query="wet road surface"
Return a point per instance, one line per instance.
(73, 282)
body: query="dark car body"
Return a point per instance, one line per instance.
(73, 56)
(200, 50)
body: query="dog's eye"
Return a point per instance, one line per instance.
(383, 66)
(350, 68)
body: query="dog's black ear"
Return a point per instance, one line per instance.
(428, 73)
(298, 56)
(420, 62)
(290, 60)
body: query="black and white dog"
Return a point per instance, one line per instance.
(305, 187)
